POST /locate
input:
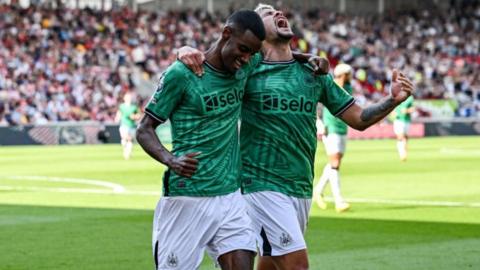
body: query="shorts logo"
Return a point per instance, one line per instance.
(296, 105)
(285, 239)
(172, 260)
(216, 101)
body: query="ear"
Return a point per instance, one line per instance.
(227, 32)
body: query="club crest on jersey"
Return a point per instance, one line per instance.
(240, 74)
(172, 260)
(309, 78)
(285, 239)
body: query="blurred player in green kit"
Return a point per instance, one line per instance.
(335, 140)
(278, 140)
(401, 125)
(128, 113)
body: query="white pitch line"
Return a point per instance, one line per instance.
(157, 194)
(59, 190)
(460, 151)
(78, 190)
(411, 202)
(115, 187)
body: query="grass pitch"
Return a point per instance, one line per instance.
(84, 207)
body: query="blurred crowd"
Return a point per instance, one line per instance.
(438, 50)
(72, 65)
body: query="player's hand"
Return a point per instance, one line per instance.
(135, 116)
(320, 65)
(401, 87)
(192, 58)
(185, 165)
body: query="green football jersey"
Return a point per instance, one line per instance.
(278, 131)
(126, 111)
(204, 113)
(333, 124)
(400, 115)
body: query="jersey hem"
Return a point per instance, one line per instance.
(338, 133)
(402, 120)
(188, 194)
(296, 195)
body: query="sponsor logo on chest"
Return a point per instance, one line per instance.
(219, 101)
(274, 102)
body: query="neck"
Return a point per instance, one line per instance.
(339, 81)
(214, 57)
(277, 51)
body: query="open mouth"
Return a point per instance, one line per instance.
(237, 64)
(282, 22)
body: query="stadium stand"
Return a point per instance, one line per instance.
(68, 64)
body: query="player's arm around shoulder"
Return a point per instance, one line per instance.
(318, 64)
(362, 118)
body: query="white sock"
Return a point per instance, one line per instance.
(127, 149)
(402, 148)
(323, 180)
(335, 185)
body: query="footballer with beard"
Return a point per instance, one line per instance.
(278, 139)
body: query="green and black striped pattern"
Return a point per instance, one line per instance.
(278, 132)
(204, 113)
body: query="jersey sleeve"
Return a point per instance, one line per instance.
(334, 98)
(169, 93)
(410, 102)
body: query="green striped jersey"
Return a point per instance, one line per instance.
(278, 131)
(333, 124)
(204, 113)
(126, 112)
(400, 115)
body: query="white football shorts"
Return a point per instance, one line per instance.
(184, 227)
(335, 143)
(279, 221)
(126, 131)
(401, 127)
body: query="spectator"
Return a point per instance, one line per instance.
(72, 65)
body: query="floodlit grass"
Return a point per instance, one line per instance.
(50, 222)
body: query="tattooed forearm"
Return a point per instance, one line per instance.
(376, 112)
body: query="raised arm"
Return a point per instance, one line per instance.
(362, 118)
(185, 165)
